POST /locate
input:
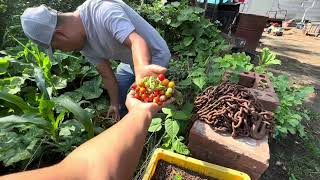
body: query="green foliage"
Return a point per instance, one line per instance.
(32, 101)
(174, 124)
(288, 118)
(267, 58)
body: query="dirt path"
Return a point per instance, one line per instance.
(300, 56)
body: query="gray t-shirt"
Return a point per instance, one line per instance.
(108, 23)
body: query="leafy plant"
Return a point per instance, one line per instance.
(174, 124)
(267, 58)
(288, 117)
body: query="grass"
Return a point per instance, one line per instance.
(294, 157)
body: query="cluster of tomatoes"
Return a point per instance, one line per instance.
(152, 89)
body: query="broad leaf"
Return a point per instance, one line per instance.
(79, 113)
(27, 118)
(188, 40)
(180, 115)
(171, 127)
(155, 125)
(4, 64)
(200, 82)
(91, 89)
(11, 85)
(19, 102)
(167, 111)
(58, 82)
(180, 148)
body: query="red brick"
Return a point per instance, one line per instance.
(268, 100)
(263, 83)
(244, 154)
(247, 79)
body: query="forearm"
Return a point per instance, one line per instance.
(111, 85)
(109, 81)
(106, 157)
(140, 50)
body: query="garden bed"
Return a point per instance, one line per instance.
(170, 171)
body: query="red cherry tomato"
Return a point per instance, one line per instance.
(137, 96)
(151, 97)
(143, 90)
(134, 86)
(161, 77)
(143, 96)
(156, 100)
(146, 99)
(162, 92)
(157, 92)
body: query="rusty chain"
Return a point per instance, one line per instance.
(231, 108)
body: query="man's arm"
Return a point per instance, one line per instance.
(110, 83)
(114, 154)
(141, 57)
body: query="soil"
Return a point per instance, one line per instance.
(168, 171)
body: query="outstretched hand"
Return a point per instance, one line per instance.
(152, 107)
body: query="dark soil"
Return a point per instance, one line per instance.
(167, 171)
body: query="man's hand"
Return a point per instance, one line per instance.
(148, 70)
(114, 112)
(133, 103)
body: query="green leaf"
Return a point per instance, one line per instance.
(41, 82)
(200, 82)
(155, 125)
(178, 97)
(11, 85)
(171, 127)
(79, 113)
(91, 89)
(46, 109)
(4, 64)
(185, 83)
(180, 148)
(27, 118)
(74, 95)
(180, 115)
(58, 82)
(187, 40)
(167, 111)
(16, 100)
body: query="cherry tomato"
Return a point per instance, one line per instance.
(161, 77)
(156, 100)
(159, 103)
(137, 96)
(134, 86)
(151, 97)
(165, 82)
(162, 92)
(171, 84)
(168, 94)
(141, 84)
(143, 90)
(163, 98)
(137, 90)
(157, 92)
(143, 96)
(170, 90)
(146, 99)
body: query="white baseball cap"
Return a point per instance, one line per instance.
(39, 24)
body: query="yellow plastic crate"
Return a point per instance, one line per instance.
(195, 165)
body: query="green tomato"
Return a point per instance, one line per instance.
(170, 90)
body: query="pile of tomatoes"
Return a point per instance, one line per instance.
(152, 89)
